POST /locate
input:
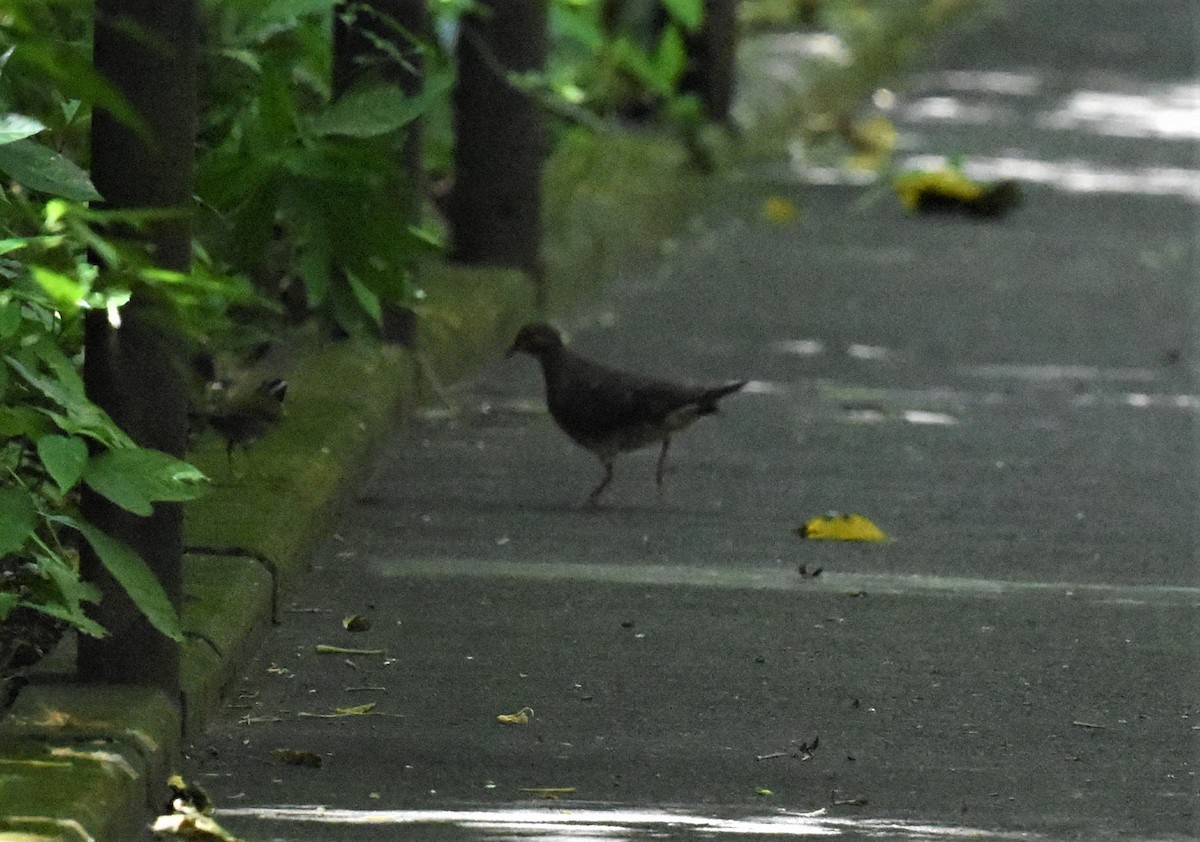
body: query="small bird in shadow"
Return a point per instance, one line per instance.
(608, 411)
(243, 419)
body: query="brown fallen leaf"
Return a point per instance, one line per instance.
(356, 623)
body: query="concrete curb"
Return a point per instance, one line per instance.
(90, 763)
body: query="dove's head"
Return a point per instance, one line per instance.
(537, 339)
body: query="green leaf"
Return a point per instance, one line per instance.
(118, 487)
(66, 578)
(366, 298)
(633, 59)
(570, 22)
(687, 13)
(8, 601)
(64, 369)
(133, 478)
(377, 110)
(17, 127)
(65, 458)
(18, 517)
(313, 266)
(10, 318)
(22, 421)
(66, 390)
(62, 394)
(284, 9)
(368, 113)
(65, 291)
(67, 69)
(69, 614)
(41, 168)
(134, 575)
(670, 59)
(13, 243)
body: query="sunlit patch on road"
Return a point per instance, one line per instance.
(593, 823)
(799, 347)
(1169, 111)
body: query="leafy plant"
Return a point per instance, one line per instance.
(638, 62)
(56, 263)
(53, 440)
(299, 187)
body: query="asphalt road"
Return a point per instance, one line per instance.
(1013, 402)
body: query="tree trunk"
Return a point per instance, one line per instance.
(147, 50)
(494, 206)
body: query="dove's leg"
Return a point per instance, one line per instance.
(594, 497)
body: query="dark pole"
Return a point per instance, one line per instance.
(494, 207)
(712, 55)
(147, 51)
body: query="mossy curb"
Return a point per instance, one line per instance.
(85, 762)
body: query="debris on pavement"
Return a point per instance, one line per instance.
(326, 649)
(189, 815)
(521, 717)
(356, 623)
(779, 210)
(549, 792)
(950, 191)
(296, 757)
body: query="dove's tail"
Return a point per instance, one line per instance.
(708, 402)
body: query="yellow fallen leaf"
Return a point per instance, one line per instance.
(839, 527)
(357, 710)
(949, 190)
(911, 187)
(521, 717)
(763, 792)
(779, 210)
